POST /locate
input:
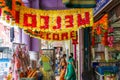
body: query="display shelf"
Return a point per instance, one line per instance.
(110, 61)
(99, 51)
(105, 77)
(99, 76)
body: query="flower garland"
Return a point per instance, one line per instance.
(57, 23)
(54, 20)
(9, 7)
(51, 36)
(101, 28)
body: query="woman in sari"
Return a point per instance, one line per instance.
(63, 65)
(70, 73)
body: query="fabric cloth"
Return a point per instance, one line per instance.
(70, 73)
(46, 63)
(63, 69)
(62, 74)
(46, 68)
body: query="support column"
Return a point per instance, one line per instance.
(71, 47)
(35, 43)
(20, 35)
(35, 46)
(87, 49)
(80, 55)
(25, 37)
(75, 53)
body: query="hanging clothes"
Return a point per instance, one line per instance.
(46, 69)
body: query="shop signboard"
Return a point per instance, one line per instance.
(101, 4)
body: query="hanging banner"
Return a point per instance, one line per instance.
(59, 24)
(52, 36)
(54, 20)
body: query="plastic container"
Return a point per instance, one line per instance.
(102, 69)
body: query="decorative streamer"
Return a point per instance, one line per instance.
(54, 36)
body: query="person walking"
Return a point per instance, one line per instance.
(63, 65)
(70, 72)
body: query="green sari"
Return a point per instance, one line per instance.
(70, 73)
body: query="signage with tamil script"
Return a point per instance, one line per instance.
(101, 4)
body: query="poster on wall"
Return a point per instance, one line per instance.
(4, 68)
(4, 35)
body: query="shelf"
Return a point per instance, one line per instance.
(115, 61)
(99, 51)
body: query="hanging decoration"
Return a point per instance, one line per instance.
(9, 7)
(104, 40)
(110, 41)
(53, 24)
(53, 36)
(54, 20)
(100, 28)
(110, 37)
(75, 38)
(93, 41)
(103, 23)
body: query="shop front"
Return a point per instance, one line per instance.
(30, 60)
(105, 45)
(8, 35)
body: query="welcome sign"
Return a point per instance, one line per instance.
(54, 20)
(53, 24)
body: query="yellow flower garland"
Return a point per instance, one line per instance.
(52, 18)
